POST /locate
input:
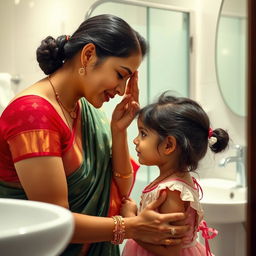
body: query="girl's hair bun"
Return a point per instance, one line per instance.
(222, 140)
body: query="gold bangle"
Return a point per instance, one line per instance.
(119, 230)
(121, 176)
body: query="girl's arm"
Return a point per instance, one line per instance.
(172, 204)
(43, 179)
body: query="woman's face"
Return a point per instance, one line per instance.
(109, 78)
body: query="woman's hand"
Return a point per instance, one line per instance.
(128, 208)
(155, 228)
(125, 111)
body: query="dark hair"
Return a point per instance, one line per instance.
(185, 120)
(111, 36)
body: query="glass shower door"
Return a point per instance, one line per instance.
(166, 67)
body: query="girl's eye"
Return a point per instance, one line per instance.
(119, 76)
(143, 134)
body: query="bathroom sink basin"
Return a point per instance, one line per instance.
(222, 201)
(30, 228)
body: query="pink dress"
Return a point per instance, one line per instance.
(191, 247)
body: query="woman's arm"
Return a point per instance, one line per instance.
(122, 117)
(43, 179)
(173, 203)
(122, 168)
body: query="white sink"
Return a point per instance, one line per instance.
(222, 201)
(29, 228)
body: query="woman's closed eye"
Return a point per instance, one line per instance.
(119, 75)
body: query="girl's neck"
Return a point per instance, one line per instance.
(162, 176)
(185, 176)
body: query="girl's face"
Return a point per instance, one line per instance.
(148, 150)
(108, 79)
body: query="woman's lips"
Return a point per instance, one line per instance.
(108, 96)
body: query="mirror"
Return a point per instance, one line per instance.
(231, 57)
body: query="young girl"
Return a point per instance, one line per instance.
(174, 134)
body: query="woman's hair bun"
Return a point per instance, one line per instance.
(50, 54)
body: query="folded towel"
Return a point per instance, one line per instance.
(6, 90)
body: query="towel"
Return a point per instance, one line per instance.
(6, 90)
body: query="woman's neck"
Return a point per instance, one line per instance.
(66, 87)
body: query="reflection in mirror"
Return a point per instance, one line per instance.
(231, 56)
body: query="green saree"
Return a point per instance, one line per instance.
(88, 187)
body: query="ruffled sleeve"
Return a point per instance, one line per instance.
(187, 193)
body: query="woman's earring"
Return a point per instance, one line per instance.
(81, 71)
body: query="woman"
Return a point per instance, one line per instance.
(55, 142)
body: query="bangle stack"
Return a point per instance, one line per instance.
(119, 230)
(121, 176)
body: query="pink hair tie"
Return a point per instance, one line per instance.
(210, 133)
(67, 38)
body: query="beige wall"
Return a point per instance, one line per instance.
(23, 26)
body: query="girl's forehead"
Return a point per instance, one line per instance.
(139, 122)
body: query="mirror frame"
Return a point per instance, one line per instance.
(251, 128)
(217, 66)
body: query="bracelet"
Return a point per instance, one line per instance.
(119, 230)
(121, 176)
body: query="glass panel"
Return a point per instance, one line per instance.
(165, 68)
(137, 18)
(168, 56)
(169, 52)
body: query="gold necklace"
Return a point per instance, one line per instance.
(72, 113)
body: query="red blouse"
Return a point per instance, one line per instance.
(30, 127)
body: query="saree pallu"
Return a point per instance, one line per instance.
(90, 186)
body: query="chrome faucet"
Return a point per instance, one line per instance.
(239, 159)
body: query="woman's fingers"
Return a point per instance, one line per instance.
(135, 87)
(166, 217)
(177, 231)
(132, 87)
(155, 204)
(123, 102)
(172, 242)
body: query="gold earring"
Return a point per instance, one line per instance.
(81, 71)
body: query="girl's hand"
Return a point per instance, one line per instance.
(125, 111)
(155, 228)
(128, 208)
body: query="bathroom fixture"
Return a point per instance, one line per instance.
(239, 159)
(223, 201)
(132, 2)
(30, 228)
(16, 79)
(224, 206)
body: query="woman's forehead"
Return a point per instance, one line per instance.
(129, 64)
